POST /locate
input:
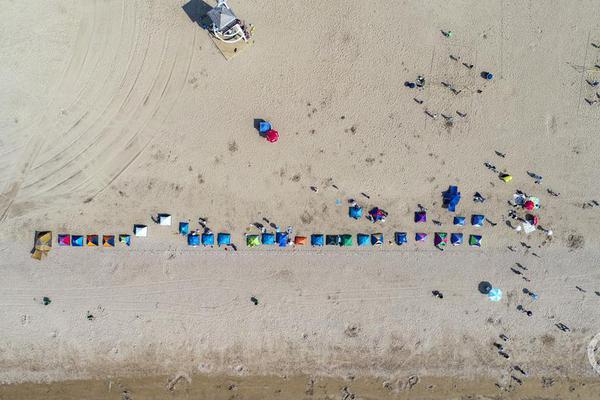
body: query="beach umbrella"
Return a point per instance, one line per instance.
(456, 238)
(458, 220)
(377, 239)
(252, 240)
(420, 237)
(440, 239)
(300, 240)
(346, 240)
(282, 239)
(400, 238)
(362, 239)
(355, 212)
(495, 294)
(485, 287)
(64, 240)
(223, 239)
(475, 240)
(272, 135)
(529, 205)
(420, 216)
(477, 220)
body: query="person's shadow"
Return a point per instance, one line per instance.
(196, 10)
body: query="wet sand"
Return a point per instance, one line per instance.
(300, 387)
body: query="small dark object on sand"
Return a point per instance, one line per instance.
(254, 300)
(580, 289)
(498, 346)
(516, 271)
(553, 193)
(503, 354)
(521, 266)
(366, 195)
(436, 222)
(314, 189)
(520, 382)
(562, 327)
(453, 57)
(460, 114)
(90, 316)
(504, 337)
(478, 198)
(46, 300)
(417, 100)
(470, 66)
(500, 154)
(438, 294)
(517, 368)
(597, 293)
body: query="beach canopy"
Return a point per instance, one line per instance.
(506, 177)
(401, 238)
(64, 239)
(164, 219)
(193, 239)
(458, 220)
(272, 136)
(456, 238)
(362, 239)
(92, 240)
(532, 219)
(282, 239)
(420, 217)
(317, 240)
(346, 240)
(420, 237)
(451, 198)
(300, 240)
(264, 126)
(355, 212)
(332, 240)
(108, 240)
(377, 239)
(223, 239)
(208, 239)
(125, 239)
(140, 230)
(377, 214)
(495, 294)
(440, 239)
(222, 17)
(184, 228)
(477, 220)
(475, 240)
(77, 240)
(268, 238)
(529, 205)
(252, 240)
(42, 244)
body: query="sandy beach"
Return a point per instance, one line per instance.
(114, 111)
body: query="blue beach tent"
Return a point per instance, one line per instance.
(193, 239)
(332, 240)
(377, 239)
(184, 228)
(477, 220)
(459, 220)
(456, 239)
(400, 238)
(317, 240)
(208, 239)
(451, 198)
(77, 240)
(355, 212)
(268, 238)
(282, 239)
(223, 239)
(362, 239)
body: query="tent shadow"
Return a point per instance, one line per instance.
(196, 10)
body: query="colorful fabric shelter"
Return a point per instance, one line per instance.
(332, 240)
(477, 220)
(208, 239)
(223, 239)
(420, 237)
(506, 177)
(317, 240)
(272, 135)
(362, 239)
(164, 219)
(193, 239)
(355, 212)
(108, 240)
(264, 126)
(451, 198)
(42, 244)
(125, 239)
(184, 228)
(400, 238)
(300, 240)
(440, 239)
(495, 294)
(140, 230)
(420, 217)
(377, 239)
(475, 240)
(268, 238)
(346, 240)
(77, 240)
(252, 240)
(456, 238)
(377, 214)
(92, 240)
(282, 239)
(64, 239)
(458, 220)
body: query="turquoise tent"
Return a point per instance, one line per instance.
(362, 239)
(317, 240)
(223, 239)
(268, 238)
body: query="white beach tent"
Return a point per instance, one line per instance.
(140, 230)
(164, 219)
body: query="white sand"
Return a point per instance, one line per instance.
(114, 110)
